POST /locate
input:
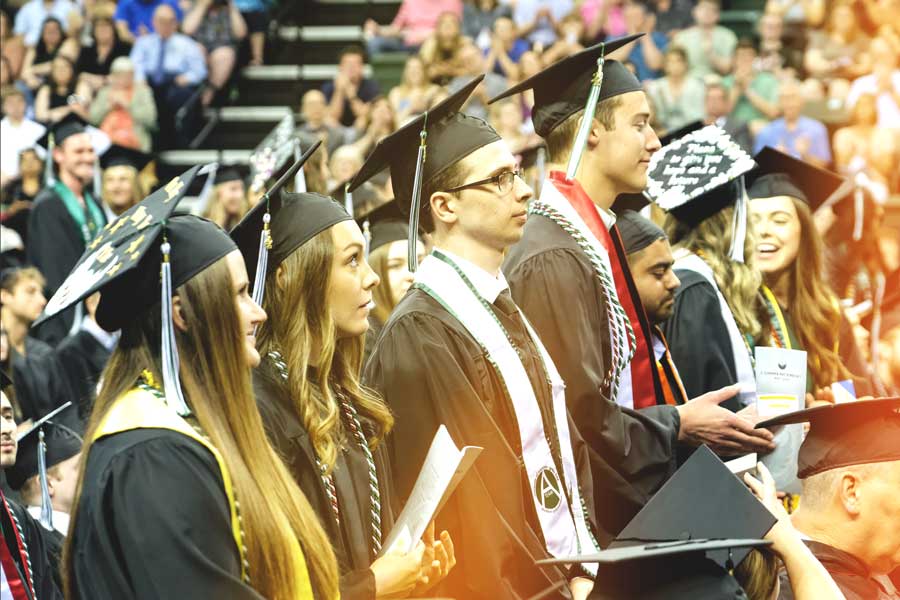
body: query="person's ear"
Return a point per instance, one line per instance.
(443, 207)
(280, 277)
(177, 315)
(50, 480)
(851, 493)
(594, 133)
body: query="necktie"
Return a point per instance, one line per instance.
(506, 305)
(159, 74)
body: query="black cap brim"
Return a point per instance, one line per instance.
(780, 174)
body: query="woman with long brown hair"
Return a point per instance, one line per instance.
(180, 495)
(330, 429)
(804, 313)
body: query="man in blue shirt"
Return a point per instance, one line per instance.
(647, 54)
(794, 134)
(134, 18)
(173, 65)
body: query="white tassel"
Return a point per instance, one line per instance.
(739, 224)
(411, 256)
(46, 505)
(262, 261)
(584, 129)
(170, 361)
(300, 177)
(348, 199)
(206, 191)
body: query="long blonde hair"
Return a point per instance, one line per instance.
(300, 321)
(382, 295)
(216, 381)
(215, 211)
(739, 282)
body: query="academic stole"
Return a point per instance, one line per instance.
(669, 378)
(743, 363)
(570, 199)
(88, 219)
(562, 516)
(21, 589)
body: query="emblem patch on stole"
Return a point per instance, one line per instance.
(548, 489)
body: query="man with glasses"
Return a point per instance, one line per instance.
(458, 352)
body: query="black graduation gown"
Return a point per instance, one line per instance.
(632, 452)
(431, 372)
(55, 244)
(849, 573)
(153, 522)
(38, 552)
(698, 339)
(352, 541)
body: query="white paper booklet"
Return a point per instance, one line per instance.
(444, 467)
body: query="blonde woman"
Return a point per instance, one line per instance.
(229, 198)
(415, 93)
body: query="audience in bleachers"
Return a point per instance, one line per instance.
(415, 93)
(135, 18)
(677, 97)
(350, 93)
(709, 46)
(124, 109)
(415, 22)
(95, 60)
(218, 27)
(442, 51)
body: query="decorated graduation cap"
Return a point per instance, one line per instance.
(279, 224)
(700, 174)
(780, 174)
(849, 433)
(42, 447)
(637, 231)
(424, 148)
(120, 156)
(578, 82)
(139, 259)
(665, 570)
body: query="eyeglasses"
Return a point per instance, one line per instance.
(504, 182)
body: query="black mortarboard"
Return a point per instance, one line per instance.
(561, 89)
(677, 134)
(384, 225)
(780, 174)
(69, 125)
(117, 156)
(637, 232)
(667, 570)
(703, 499)
(424, 148)
(226, 173)
(849, 433)
(362, 200)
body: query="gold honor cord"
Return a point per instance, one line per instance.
(585, 128)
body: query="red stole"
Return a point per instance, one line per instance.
(17, 587)
(645, 384)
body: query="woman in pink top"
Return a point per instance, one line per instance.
(415, 21)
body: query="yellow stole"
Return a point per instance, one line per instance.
(139, 409)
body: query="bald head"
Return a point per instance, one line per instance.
(312, 107)
(165, 21)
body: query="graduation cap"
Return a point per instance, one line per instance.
(118, 156)
(58, 132)
(139, 259)
(424, 148)
(664, 570)
(780, 174)
(849, 433)
(384, 225)
(226, 173)
(43, 446)
(698, 175)
(578, 82)
(703, 499)
(637, 232)
(279, 224)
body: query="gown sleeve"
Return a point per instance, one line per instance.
(699, 342)
(44, 552)
(163, 527)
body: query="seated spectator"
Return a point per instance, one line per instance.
(173, 65)
(802, 13)
(135, 18)
(718, 109)
(415, 93)
(676, 98)
(345, 163)
(505, 49)
(863, 144)
(883, 83)
(12, 46)
(94, 61)
(36, 66)
(647, 53)
(672, 16)
(776, 56)
(124, 109)
(30, 18)
(795, 134)
(60, 95)
(491, 86)
(841, 50)
(229, 199)
(380, 123)
(571, 31)
(441, 51)
(709, 46)
(753, 93)
(478, 20)
(314, 111)
(219, 27)
(415, 22)
(16, 131)
(529, 65)
(602, 18)
(536, 20)
(19, 193)
(350, 93)
(256, 16)
(506, 117)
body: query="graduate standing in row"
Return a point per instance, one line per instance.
(180, 495)
(328, 428)
(571, 250)
(457, 351)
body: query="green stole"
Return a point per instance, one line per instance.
(89, 219)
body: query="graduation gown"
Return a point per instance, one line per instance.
(849, 573)
(431, 371)
(352, 540)
(632, 453)
(28, 557)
